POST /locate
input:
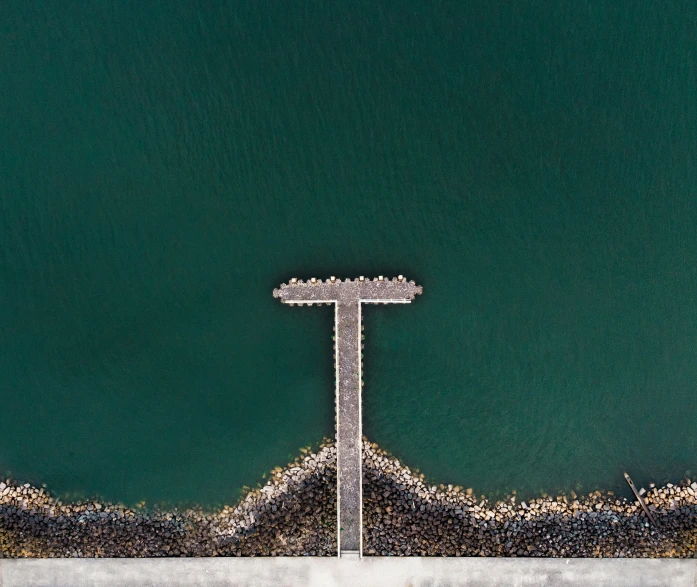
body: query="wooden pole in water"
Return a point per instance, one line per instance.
(641, 501)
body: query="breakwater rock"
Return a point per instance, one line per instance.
(294, 514)
(405, 516)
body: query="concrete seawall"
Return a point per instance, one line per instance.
(332, 572)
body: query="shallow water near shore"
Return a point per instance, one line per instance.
(165, 166)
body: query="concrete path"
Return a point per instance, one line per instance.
(349, 426)
(335, 572)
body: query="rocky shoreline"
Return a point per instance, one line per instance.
(294, 514)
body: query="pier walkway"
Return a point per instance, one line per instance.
(347, 297)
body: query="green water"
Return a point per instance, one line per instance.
(163, 166)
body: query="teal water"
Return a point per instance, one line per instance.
(165, 165)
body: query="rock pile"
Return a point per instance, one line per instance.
(404, 516)
(295, 514)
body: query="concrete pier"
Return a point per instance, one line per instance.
(347, 296)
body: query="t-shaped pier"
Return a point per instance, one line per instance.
(347, 297)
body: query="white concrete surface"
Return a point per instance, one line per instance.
(335, 572)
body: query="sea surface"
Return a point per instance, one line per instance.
(165, 165)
